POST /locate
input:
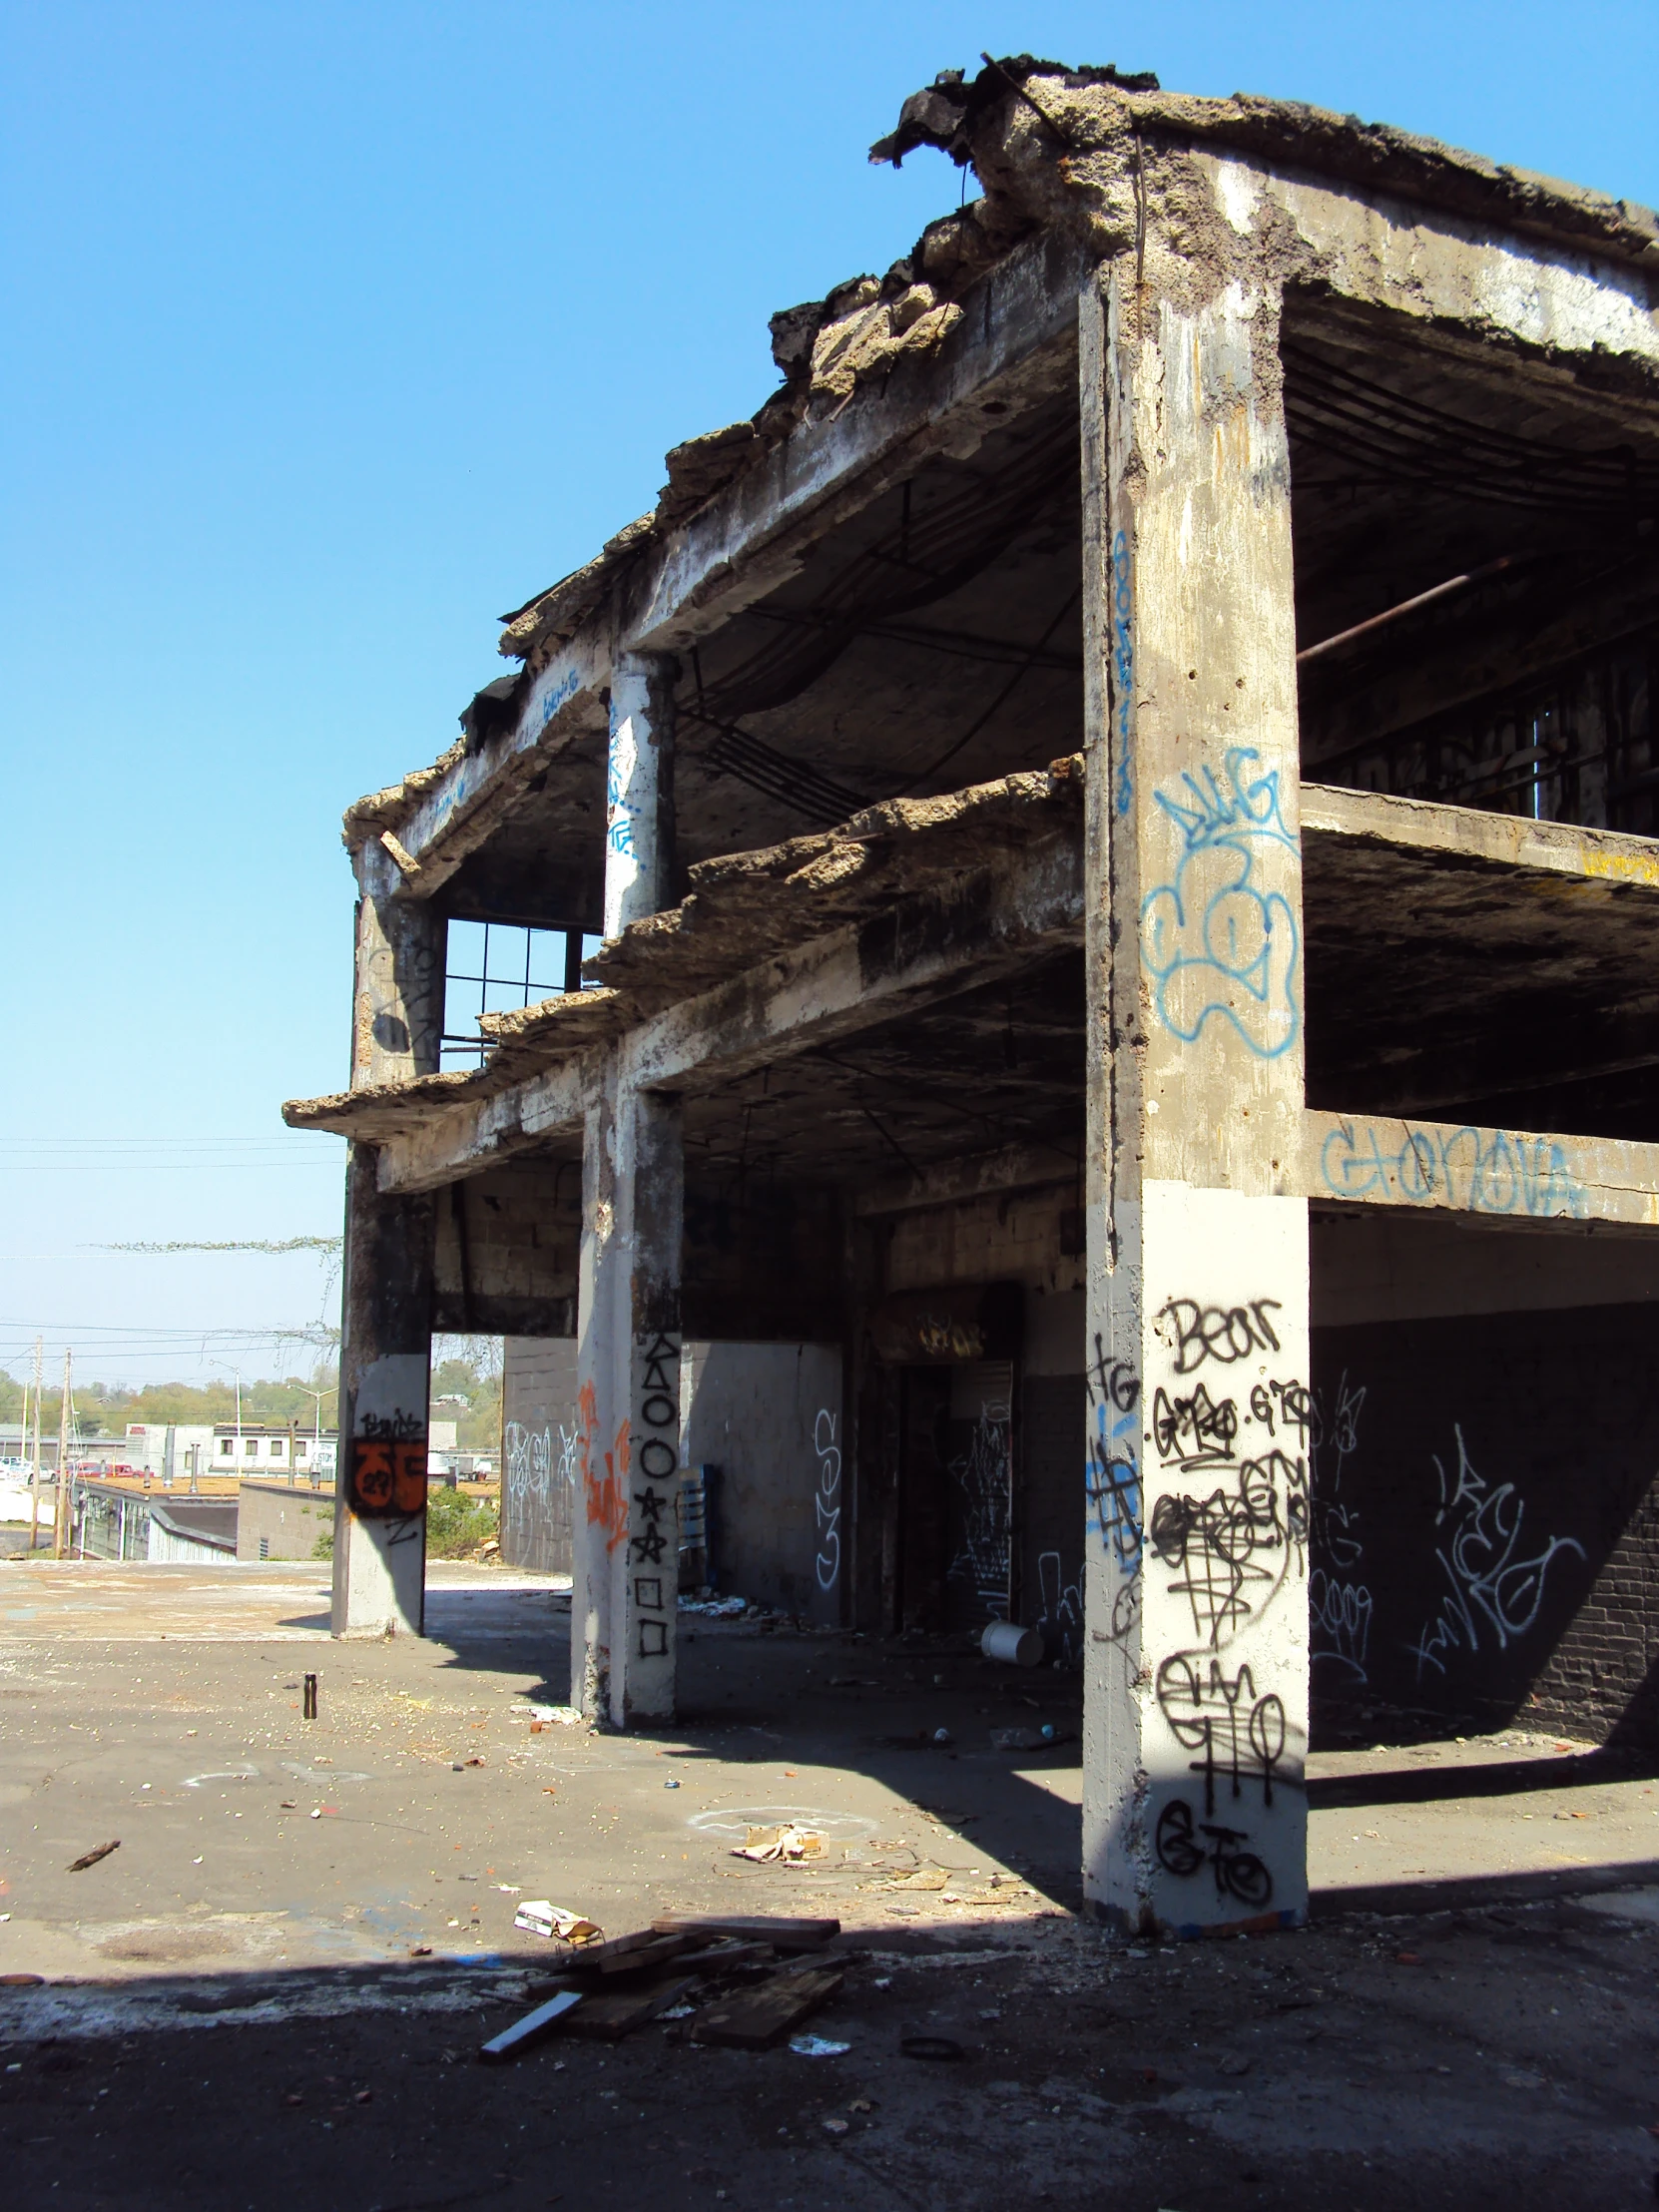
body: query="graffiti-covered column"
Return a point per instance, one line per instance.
(385, 1355)
(645, 1567)
(626, 1524)
(1195, 1696)
(379, 1574)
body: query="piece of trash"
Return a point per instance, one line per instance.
(293, 2098)
(316, 1812)
(1016, 1646)
(538, 1917)
(715, 1608)
(670, 1784)
(364, 2097)
(885, 1981)
(21, 1981)
(832, 2126)
(788, 1844)
(817, 2046)
(678, 2012)
(782, 1933)
(530, 2029)
(90, 1857)
(942, 1736)
(308, 1709)
(989, 2012)
(861, 2104)
(195, 1861)
(420, 1950)
(509, 1889)
(943, 2048)
(289, 1804)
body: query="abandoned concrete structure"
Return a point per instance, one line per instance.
(1120, 1087)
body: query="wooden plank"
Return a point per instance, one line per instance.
(783, 1934)
(756, 2018)
(630, 1953)
(531, 2028)
(1517, 1175)
(615, 2014)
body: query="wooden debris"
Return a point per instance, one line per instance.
(630, 1953)
(756, 2018)
(90, 1857)
(530, 2029)
(612, 2015)
(782, 1933)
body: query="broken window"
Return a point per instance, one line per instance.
(495, 968)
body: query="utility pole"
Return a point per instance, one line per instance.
(60, 1519)
(34, 1457)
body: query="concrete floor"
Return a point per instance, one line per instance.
(1472, 2017)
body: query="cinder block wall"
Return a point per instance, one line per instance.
(539, 1462)
(289, 1521)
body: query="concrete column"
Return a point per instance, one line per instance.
(626, 1536)
(397, 998)
(639, 791)
(1196, 1688)
(385, 1357)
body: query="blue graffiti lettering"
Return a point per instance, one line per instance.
(1482, 1171)
(1215, 941)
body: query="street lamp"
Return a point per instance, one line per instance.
(236, 1371)
(317, 1441)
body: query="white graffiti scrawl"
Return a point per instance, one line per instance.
(828, 1500)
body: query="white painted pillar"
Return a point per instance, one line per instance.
(386, 1348)
(1196, 1686)
(626, 1547)
(639, 791)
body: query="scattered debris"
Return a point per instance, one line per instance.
(420, 1950)
(759, 2018)
(538, 1917)
(817, 2046)
(630, 1953)
(788, 1844)
(1029, 1739)
(611, 2017)
(716, 1608)
(530, 2029)
(90, 1857)
(834, 2126)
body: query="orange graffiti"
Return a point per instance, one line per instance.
(607, 1493)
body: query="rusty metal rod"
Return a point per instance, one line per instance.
(1406, 607)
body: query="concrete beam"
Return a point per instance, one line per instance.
(971, 930)
(1466, 834)
(958, 1183)
(968, 930)
(464, 1140)
(474, 796)
(1014, 344)
(1514, 1175)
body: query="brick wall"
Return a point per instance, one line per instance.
(1486, 1524)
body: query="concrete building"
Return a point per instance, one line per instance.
(1120, 807)
(277, 1521)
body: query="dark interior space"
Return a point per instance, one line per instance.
(1414, 461)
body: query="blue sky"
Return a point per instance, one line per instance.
(333, 331)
